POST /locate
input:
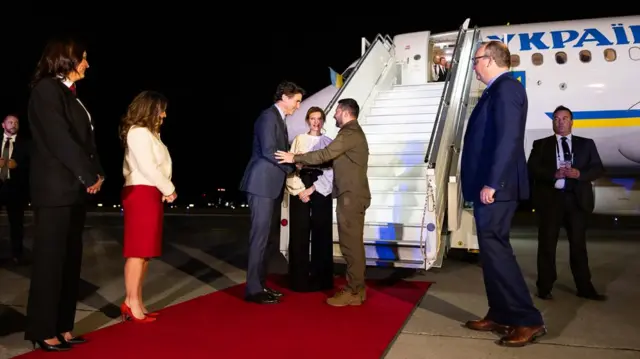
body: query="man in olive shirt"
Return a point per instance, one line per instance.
(349, 152)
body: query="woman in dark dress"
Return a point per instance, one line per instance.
(310, 213)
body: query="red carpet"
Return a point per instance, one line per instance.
(222, 325)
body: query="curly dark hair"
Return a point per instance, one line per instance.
(143, 111)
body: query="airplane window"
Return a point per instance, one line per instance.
(561, 57)
(610, 55)
(537, 59)
(634, 53)
(515, 60)
(585, 56)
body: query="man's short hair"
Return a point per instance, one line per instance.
(287, 88)
(498, 52)
(562, 108)
(10, 115)
(350, 105)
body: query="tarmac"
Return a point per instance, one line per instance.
(205, 252)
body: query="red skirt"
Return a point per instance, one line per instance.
(143, 217)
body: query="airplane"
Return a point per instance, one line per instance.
(413, 123)
(585, 65)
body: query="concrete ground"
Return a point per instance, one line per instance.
(207, 253)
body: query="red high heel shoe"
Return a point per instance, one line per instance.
(152, 314)
(128, 315)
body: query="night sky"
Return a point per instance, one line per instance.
(217, 80)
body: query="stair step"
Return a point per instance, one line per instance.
(399, 147)
(398, 171)
(410, 101)
(406, 158)
(374, 262)
(395, 94)
(388, 231)
(392, 198)
(373, 138)
(428, 118)
(391, 255)
(391, 127)
(403, 110)
(427, 86)
(398, 184)
(391, 214)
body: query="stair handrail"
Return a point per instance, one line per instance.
(336, 97)
(460, 116)
(433, 144)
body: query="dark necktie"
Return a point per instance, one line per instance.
(286, 133)
(73, 88)
(4, 172)
(565, 149)
(566, 152)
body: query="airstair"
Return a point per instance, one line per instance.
(414, 130)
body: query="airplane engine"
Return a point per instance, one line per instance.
(617, 196)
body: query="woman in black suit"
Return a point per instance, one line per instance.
(310, 213)
(64, 168)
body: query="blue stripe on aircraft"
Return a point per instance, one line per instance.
(602, 115)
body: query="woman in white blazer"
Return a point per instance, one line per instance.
(147, 176)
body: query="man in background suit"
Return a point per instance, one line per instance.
(263, 182)
(494, 177)
(563, 167)
(14, 164)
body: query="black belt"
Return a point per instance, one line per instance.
(309, 176)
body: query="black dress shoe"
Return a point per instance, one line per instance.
(20, 261)
(592, 296)
(74, 340)
(262, 298)
(544, 295)
(63, 346)
(272, 292)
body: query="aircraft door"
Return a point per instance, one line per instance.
(412, 51)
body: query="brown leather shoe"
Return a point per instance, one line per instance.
(485, 325)
(521, 336)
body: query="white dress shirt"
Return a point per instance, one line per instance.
(560, 157)
(147, 161)
(5, 138)
(68, 84)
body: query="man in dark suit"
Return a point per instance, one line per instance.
(494, 177)
(14, 166)
(263, 182)
(563, 167)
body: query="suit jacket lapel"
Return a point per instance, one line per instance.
(576, 146)
(551, 152)
(281, 127)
